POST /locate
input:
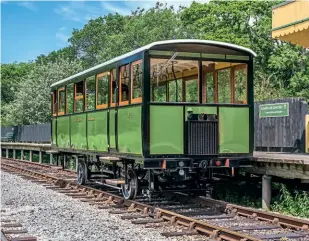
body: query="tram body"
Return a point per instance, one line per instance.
(160, 117)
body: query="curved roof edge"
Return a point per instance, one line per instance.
(149, 46)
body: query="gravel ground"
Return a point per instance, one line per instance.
(52, 216)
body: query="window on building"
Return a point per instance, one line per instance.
(70, 98)
(61, 101)
(124, 88)
(90, 93)
(136, 81)
(79, 97)
(102, 90)
(180, 78)
(113, 87)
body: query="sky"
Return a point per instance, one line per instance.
(31, 28)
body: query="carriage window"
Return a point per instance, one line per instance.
(159, 93)
(175, 91)
(61, 101)
(240, 83)
(70, 97)
(113, 87)
(224, 85)
(136, 81)
(54, 100)
(192, 90)
(79, 97)
(102, 90)
(90, 92)
(209, 87)
(179, 76)
(124, 88)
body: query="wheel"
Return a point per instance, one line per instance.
(81, 173)
(129, 190)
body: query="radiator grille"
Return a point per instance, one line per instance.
(202, 137)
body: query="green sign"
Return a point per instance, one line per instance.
(274, 110)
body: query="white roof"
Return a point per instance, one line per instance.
(149, 46)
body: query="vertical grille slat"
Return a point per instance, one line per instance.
(202, 137)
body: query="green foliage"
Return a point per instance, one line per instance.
(281, 69)
(295, 203)
(32, 101)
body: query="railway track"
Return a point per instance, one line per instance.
(181, 215)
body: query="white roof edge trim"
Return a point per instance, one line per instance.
(149, 46)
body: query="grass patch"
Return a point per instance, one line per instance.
(292, 202)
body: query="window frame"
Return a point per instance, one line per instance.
(54, 104)
(126, 102)
(65, 99)
(79, 97)
(138, 99)
(102, 106)
(241, 66)
(111, 78)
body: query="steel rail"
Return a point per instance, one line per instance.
(275, 218)
(201, 227)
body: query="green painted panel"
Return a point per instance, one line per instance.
(233, 129)
(78, 131)
(129, 130)
(54, 134)
(166, 129)
(112, 141)
(97, 131)
(201, 109)
(63, 132)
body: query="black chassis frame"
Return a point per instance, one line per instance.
(147, 160)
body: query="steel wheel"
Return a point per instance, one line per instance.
(81, 173)
(129, 190)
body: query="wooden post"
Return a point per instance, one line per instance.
(22, 154)
(30, 155)
(7, 153)
(14, 154)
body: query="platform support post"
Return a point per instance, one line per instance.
(1, 153)
(14, 154)
(266, 192)
(22, 154)
(30, 155)
(76, 164)
(7, 153)
(40, 156)
(64, 161)
(51, 159)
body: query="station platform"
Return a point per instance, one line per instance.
(284, 165)
(278, 157)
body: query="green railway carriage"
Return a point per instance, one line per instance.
(159, 117)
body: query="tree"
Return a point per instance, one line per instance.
(11, 77)
(32, 102)
(92, 39)
(64, 53)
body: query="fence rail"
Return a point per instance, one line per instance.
(40, 133)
